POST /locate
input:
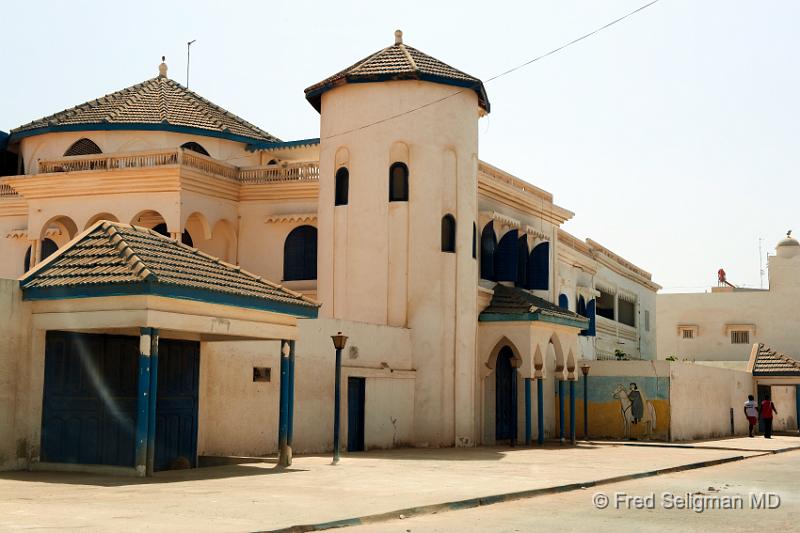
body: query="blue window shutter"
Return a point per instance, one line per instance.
(590, 314)
(522, 262)
(505, 260)
(488, 249)
(539, 267)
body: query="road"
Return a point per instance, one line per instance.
(575, 511)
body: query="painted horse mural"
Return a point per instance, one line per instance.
(635, 409)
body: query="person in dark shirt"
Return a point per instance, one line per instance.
(767, 410)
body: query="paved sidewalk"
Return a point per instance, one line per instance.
(258, 496)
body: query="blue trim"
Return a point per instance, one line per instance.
(579, 323)
(151, 425)
(540, 411)
(283, 409)
(266, 145)
(290, 421)
(527, 411)
(572, 411)
(561, 410)
(133, 126)
(168, 291)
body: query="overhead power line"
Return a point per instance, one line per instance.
(504, 73)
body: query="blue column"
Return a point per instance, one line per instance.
(283, 415)
(561, 410)
(539, 411)
(572, 411)
(797, 404)
(291, 395)
(142, 402)
(527, 411)
(151, 426)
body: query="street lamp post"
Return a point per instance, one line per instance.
(339, 342)
(585, 372)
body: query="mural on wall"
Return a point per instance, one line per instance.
(635, 409)
(625, 407)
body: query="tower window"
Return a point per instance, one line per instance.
(448, 233)
(300, 254)
(474, 240)
(398, 182)
(195, 147)
(83, 147)
(342, 186)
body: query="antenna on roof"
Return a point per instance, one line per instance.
(188, 58)
(761, 263)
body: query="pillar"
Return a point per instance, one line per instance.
(540, 410)
(797, 405)
(572, 411)
(151, 426)
(284, 452)
(527, 411)
(561, 410)
(143, 401)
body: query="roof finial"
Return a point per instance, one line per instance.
(162, 68)
(398, 37)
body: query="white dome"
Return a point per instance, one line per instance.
(788, 247)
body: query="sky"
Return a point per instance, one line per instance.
(674, 136)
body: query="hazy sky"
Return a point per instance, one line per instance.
(673, 135)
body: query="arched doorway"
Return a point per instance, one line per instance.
(505, 396)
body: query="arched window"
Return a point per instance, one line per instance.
(474, 240)
(398, 182)
(448, 233)
(522, 261)
(300, 254)
(48, 248)
(539, 267)
(563, 301)
(195, 147)
(581, 309)
(83, 147)
(505, 260)
(342, 186)
(186, 237)
(488, 248)
(589, 312)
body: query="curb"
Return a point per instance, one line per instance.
(694, 447)
(509, 496)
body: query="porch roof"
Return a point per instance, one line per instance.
(113, 259)
(515, 304)
(766, 362)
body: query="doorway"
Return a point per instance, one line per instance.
(505, 396)
(356, 395)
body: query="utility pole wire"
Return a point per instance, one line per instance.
(509, 71)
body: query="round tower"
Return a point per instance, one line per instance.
(397, 212)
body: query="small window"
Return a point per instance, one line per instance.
(448, 234)
(740, 337)
(342, 186)
(563, 301)
(626, 313)
(398, 182)
(300, 254)
(687, 334)
(83, 147)
(194, 147)
(474, 240)
(262, 374)
(646, 320)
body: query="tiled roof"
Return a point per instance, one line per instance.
(156, 102)
(513, 301)
(398, 62)
(111, 253)
(771, 363)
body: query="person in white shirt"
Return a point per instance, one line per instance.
(751, 412)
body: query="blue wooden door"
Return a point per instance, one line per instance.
(505, 396)
(356, 395)
(176, 403)
(89, 402)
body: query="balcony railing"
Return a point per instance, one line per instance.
(302, 171)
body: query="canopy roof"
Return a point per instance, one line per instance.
(515, 304)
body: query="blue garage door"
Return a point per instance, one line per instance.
(89, 404)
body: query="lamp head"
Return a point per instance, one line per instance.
(339, 341)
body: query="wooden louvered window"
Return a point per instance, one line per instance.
(83, 147)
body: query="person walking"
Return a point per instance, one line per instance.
(751, 412)
(767, 410)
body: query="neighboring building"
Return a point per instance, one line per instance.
(723, 325)
(453, 279)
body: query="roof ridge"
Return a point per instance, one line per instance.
(138, 267)
(408, 56)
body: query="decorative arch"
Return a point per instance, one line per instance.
(449, 233)
(198, 219)
(300, 254)
(98, 217)
(558, 352)
(83, 147)
(505, 259)
(491, 361)
(195, 147)
(67, 229)
(148, 219)
(488, 249)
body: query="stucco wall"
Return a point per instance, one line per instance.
(14, 327)
(240, 417)
(784, 398)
